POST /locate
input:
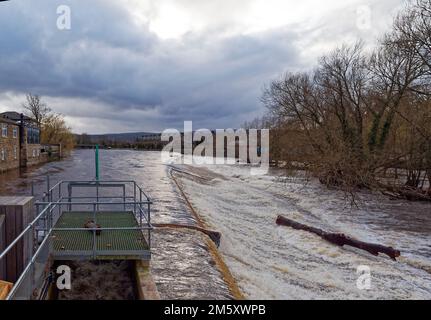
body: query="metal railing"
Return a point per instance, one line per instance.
(54, 204)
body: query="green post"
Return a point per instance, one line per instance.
(97, 162)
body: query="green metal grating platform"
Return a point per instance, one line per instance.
(109, 245)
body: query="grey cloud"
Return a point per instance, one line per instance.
(110, 69)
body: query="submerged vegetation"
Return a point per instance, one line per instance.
(361, 119)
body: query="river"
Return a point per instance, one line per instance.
(272, 262)
(181, 265)
(268, 262)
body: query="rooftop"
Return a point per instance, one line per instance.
(8, 121)
(15, 116)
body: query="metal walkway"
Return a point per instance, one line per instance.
(83, 220)
(120, 239)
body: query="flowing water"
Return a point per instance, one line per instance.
(181, 264)
(267, 261)
(273, 262)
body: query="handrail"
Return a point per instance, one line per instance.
(109, 197)
(104, 229)
(29, 265)
(100, 203)
(143, 213)
(22, 234)
(55, 186)
(45, 220)
(93, 182)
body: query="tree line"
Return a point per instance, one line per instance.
(52, 126)
(361, 119)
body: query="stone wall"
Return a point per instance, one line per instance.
(9, 147)
(34, 155)
(14, 155)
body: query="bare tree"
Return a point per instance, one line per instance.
(36, 109)
(412, 34)
(357, 115)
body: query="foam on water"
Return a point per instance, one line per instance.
(268, 261)
(273, 262)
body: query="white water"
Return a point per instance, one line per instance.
(268, 261)
(271, 262)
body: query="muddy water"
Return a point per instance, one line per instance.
(267, 262)
(181, 264)
(271, 262)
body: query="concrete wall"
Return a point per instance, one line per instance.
(10, 147)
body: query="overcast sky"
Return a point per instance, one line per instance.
(148, 65)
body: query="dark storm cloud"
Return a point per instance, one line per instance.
(105, 57)
(108, 68)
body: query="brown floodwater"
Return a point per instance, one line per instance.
(181, 264)
(271, 262)
(267, 262)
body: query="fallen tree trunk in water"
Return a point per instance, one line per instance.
(340, 239)
(405, 193)
(413, 195)
(215, 236)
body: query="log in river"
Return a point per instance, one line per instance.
(341, 239)
(215, 236)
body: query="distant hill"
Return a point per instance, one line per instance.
(114, 137)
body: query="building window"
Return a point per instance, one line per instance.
(15, 152)
(2, 155)
(33, 135)
(15, 132)
(4, 131)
